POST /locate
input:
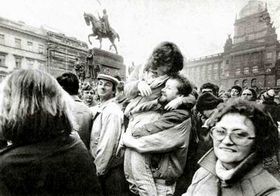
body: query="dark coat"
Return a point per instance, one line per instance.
(60, 166)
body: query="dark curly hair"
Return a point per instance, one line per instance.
(69, 82)
(266, 141)
(166, 53)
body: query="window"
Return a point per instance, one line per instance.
(254, 82)
(2, 39)
(41, 65)
(30, 45)
(209, 72)
(246, 70)
(244, 83)
(17, 43)
(30, 63)
(255, 69)
(2, 60)
(18, 62)
(236, 82)
(269, 55)
(278, 82)
(238, 71)
(41, 49)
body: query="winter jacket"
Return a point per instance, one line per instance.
(83, 118)
(106, 132)
(172, 152)
(59, 166)
(251, 179)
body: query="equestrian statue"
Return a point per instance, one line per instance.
(101, 29)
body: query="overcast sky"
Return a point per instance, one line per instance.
(198, 27)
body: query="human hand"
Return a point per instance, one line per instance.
(175, 103)
(144, 88)
(139, 133)
(126, 139)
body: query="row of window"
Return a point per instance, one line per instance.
(245, 83)
(246, 70)
(18, 62)
(30, 44)
(214, 73)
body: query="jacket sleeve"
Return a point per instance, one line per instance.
(166, 121)
(164, 141)
(109, 139)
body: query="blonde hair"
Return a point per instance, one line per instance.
(33, 107)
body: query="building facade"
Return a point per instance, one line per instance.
(63, 52)
(21, 46)
(24, 46)
(250, 59)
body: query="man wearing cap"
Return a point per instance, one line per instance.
(209, 87)
(105, 136)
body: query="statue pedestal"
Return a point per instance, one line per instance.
(105, 62)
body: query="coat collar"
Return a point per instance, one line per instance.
(248, 168)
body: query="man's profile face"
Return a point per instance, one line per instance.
(105, 89)
(170, 91)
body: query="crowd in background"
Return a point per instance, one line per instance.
(154, 134)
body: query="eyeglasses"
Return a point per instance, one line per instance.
(240, 138)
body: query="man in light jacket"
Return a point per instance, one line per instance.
(105, 136)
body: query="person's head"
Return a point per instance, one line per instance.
(120, 89)
(207, 103)
(165, 59)
(69, 82)
(33, 107)
(249, 94)
(241, 128)
(209, 87)
(87, 93)
(225, 96)
(106, 87)
(177, 85)
(268, 96)
(235, 91)
(104, 11)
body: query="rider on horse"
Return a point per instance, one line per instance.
(105, 22)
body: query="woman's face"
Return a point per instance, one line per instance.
(237, 129)
(161, 70)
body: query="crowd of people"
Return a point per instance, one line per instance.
(155, 134)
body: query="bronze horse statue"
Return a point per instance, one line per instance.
(99, 33)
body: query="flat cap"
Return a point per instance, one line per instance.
(108, 78)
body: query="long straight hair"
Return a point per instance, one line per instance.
(33, 107)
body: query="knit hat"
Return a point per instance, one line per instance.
(238, 88)
(112, 79)
(207, 101)
(269, 95)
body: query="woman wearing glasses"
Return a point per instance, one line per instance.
(243, 135)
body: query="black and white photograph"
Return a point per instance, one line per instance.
(140, 98)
